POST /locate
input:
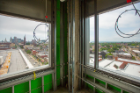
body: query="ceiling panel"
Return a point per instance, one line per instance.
(33, 9)
(104, 5)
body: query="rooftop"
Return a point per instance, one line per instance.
(126, 54)
(132, 61)
(132, 69)
(136, 51)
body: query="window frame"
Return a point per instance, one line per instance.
(52, 53)
(109, 73)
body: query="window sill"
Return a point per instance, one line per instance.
(118, 75)
(23, 72)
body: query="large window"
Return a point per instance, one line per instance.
(22, 47)
(118, 54)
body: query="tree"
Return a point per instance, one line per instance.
(91, 44)
(27, 43)
(109, 54)
(40, 47)
(28, 51)
(133, 58)
(15, 47)
(110, 50)
(21, 47)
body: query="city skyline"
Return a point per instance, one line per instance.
(14, 26)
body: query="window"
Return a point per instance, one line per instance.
(90, 42)
(117, 54)
(22, 47)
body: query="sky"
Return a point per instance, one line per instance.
(18, 27)
(128, 23)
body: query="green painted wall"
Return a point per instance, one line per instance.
(7, 90)
(98, 91)
(58, 41)
(47, 82)
(125, 92)
(65, 42)
(100, 82)
(21, 88)
(114, 89)
(35, 84)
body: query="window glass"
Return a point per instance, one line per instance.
(119, 54)
(23, 47)
(90, 42)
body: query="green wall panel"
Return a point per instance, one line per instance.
(21, 88)
(90, 77)
(65, 33)
(7, 90)
(125, 92)
(114, 89)
(98, 91)
(58, 82)
(47, 87)
(58, 41)
(58, 51)
(88, 85)
(100, 82)
(48, 82)
(48, 79)
(35, 84)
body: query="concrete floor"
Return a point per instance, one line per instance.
(65, 90)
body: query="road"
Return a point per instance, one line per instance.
(17, 63)
(33, 62)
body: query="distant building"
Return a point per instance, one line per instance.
(28, 47)
(12, 45)
(25, 40)
(34, 52)
(124, 55)
(119, 65)
(33, 42)
(4, 46)
(19, 40)
(15, 40)
(36, 48)
(42, 55)
(136, 52)
(5, 40)
(131, 48)
(119, 51)
(103, 54)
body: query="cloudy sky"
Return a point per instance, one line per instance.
(11, 26)
(128, 23)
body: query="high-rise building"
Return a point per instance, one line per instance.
(25, 40)
(19, 40)
(15, 40)
(5, 40)
(11, 39)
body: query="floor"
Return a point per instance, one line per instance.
(65, 90)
